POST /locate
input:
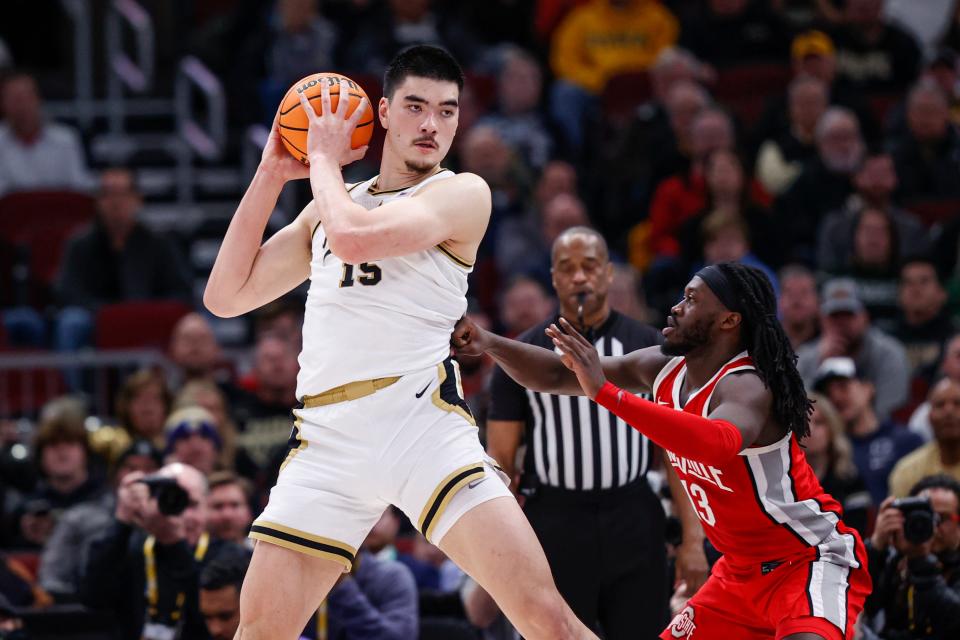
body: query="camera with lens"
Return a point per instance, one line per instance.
(172, 499)
(919, 520)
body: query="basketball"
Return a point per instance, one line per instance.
(293, 121)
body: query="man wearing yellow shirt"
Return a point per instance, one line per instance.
(595, 42)
(942, 455)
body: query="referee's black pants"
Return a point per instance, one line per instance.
(608, 556)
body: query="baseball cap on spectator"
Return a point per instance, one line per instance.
(188, 421)
(840, 296)
(833, 369)
(811, 43)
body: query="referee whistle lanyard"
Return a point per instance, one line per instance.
(153, 587)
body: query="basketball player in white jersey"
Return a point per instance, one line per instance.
(382, 418)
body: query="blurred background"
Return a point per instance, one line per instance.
(814, 139)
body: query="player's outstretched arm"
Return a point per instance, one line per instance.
(540, 369)
(249, 273)
(743, 405)
(455, 210)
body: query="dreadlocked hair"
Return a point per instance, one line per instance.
(768, 346)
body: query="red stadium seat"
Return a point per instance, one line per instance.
(41, 222)
(745, 89)
(136, 325)
(24, 392)
(623, 94)
(935, 211)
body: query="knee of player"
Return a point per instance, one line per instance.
(546, 611)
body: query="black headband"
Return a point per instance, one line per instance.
(718, 282)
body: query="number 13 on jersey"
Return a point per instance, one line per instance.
(699, 499)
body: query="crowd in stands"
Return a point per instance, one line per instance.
(818, 140)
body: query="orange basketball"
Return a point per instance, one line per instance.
(293, 121)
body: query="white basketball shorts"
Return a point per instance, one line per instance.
(413, 444)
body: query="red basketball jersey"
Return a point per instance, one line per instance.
(767, 504)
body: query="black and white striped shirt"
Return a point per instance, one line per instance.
(573, 443)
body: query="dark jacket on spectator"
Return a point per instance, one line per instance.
(798, 212)
(115, 580)
(929, 171)
(920, 596)
(379, 601)
(148, 268)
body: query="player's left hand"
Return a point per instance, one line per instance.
(579, 356)
(328, 134)
(692, 566)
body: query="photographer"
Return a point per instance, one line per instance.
(914, 560)
(145, 568)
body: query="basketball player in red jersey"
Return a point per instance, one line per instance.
(729, 408)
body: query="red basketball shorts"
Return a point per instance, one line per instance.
(773, 600)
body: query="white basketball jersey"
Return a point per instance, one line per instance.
(385, 318)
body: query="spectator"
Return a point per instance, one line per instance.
(192, 439)
(143, 405)
(593, 43)
(799, 305)
(928, 156)
(194, 348)
(36, 154)
(630, 171)
(67, 552)
(298, 43)
(813, 54)
(942, 454)
(732, 32)
(728, 194)
(229, 502)
(781, 158)
(875, 182)
(532, 257)
(824, 183)
(377, 599)
(949, 368)
(877, 443)
(830, 454)
(282, 318)
(117, 259)
(525, 304)
(219, 600)
(872, 53)
(726, 238)
(400, 23)
(263, 411)
(431, 569)
(872, 262)
(206, 394)
(626, 294)
(924, 325)
(382, 539)
(846, 332)
(519, 118)
(67, 476)
(142, 541)
(680, 197)
(917, 584)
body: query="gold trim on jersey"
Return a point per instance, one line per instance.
(443, 404)
(373, 191)
(303, 542)
(466, 264)
(434, 508)
(348, 391)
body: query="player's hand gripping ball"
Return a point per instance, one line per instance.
(293, 121)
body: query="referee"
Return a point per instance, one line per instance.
(584, 470)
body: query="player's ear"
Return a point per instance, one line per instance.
(731, 320)
(383, 110)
